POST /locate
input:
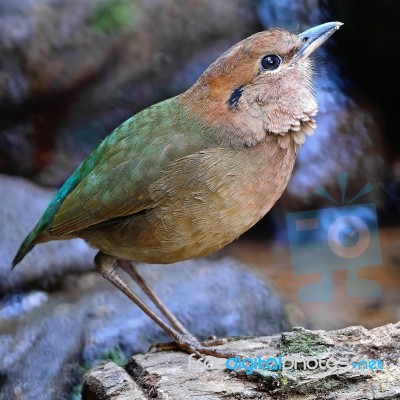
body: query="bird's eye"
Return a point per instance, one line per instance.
(270, 62)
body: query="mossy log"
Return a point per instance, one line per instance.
(350, 363)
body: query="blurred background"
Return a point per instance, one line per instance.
(70, 72)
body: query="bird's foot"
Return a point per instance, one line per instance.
(198, 349)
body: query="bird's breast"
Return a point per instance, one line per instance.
(205, 201)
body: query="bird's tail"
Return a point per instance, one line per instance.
(25, 248)
(28, 244)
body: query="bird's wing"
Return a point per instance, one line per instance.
(122, 168)
(114, 180)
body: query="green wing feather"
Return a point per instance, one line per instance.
(114, 180)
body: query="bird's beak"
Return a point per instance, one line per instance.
(314, 38)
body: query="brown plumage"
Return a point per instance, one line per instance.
(185, 177)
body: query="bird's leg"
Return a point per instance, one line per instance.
(105, 264)
(131, 269)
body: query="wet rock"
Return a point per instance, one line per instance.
(47, 338)
(36, 361)
(22, 205)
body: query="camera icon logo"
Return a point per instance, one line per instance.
(344, 237)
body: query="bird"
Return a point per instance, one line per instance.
(184, 177)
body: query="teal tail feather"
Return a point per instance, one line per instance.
(41, 226)
(53, 207)
(29, 242)
(25, 248)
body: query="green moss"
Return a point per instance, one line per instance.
(116, 355)
(112, 15)
(302, 341)
(271, 381)
(76, 393)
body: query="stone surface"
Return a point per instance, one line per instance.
(47, 338)
(108, 380)
(173, 375)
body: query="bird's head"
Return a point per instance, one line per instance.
(262, 85)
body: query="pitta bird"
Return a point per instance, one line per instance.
(183, 178)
